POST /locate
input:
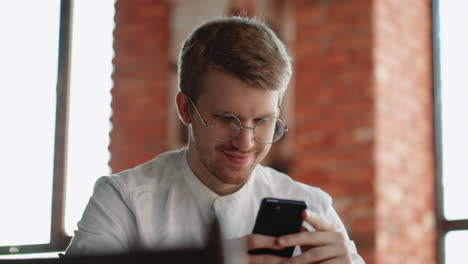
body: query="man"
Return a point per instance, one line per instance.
(233, 73)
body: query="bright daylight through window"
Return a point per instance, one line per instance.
(27, 107)
(29, 52)
(90, 110)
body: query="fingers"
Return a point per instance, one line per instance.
(316, 221)
(313, 239)
(324, 254)
(341, 260)
(264, 259)
(256, 241)
(324, 234)
(326, 245)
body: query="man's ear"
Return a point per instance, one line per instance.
(183, 108)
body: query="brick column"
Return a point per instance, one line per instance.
(363, 127)
(141, 79)
(405, 220)
(334, 141)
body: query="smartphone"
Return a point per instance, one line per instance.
(277, 217)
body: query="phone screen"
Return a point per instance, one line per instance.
(277, 217)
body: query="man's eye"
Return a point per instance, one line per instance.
(256, 120)
(226, 119)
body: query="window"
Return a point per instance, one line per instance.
(90, 104)
(451, 94)
(28, 106)
(55, 117)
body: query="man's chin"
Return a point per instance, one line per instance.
(235, 172)
(236, 176)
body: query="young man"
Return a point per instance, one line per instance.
(233, 73)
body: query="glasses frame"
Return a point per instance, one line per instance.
(240, 125)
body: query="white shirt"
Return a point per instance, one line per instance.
(161, 204)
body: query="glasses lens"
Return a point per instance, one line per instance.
(270, 130)
(225, 127)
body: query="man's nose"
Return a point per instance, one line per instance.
(245, 139)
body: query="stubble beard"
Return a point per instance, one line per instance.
(217, 165)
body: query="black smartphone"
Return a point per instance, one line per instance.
(277, 217)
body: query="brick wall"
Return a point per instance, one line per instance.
(364, 121)
(334, 141)
(141, 77)
(404, 134)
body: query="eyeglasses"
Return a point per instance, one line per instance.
(228, 126)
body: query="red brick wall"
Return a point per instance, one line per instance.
(334, 110)
(141, 77)
(404, 134)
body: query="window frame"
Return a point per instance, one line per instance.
(59, 240)
(443, 225)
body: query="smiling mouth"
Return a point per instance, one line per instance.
(237, 159)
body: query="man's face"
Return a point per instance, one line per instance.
(230, 162)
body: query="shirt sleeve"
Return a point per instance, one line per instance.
(107, 225)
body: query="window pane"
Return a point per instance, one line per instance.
(455, 247)
(454, 95)
(28, 67)
(90, 98)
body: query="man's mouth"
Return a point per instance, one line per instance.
(237, 158)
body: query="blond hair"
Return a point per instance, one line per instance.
(244, 47)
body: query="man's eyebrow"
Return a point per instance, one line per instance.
(271, 114)
(266, 115)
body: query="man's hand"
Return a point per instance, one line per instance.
(325, 245)
(257, 241)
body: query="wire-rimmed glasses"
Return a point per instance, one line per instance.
(225, 127)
